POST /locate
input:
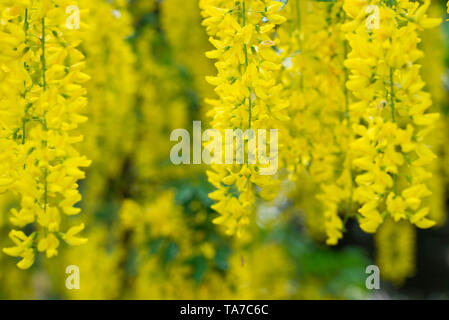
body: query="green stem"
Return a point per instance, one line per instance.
(347, 115)
(23, 130)
(392, 96)
(345, 88)
(250, 110)
(244, 13)
(26, 25)
(244, 23)
(393, 118)
(44, 66)
(45, 190)
(25, 28)
(245, 50)
(44, 83)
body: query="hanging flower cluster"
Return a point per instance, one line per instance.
(42, 98)
(249, 97)
(348, 106)
(390, 153)
(360, 117)
(315, 50)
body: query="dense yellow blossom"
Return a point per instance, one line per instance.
(249, 98)
(320, 132)
(390, 153)
(44, 80)
(350, 93)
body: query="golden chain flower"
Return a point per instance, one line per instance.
(249, 98)
(42, 102)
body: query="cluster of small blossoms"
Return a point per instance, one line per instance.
(331, 165)
(314, 79)
(390, 153)
(41, 101)
(360, 136)
(249, 97)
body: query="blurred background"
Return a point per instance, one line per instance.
(149, 223)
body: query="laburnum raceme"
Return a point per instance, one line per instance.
(390, 153)
(321, 127)
(249, 97)
(41, 101)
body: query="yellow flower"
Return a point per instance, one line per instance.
(70, 236)
(44, 80)
(22, 249)
(396, 206)
(249, 97)
(391, 156)
(50, 245)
